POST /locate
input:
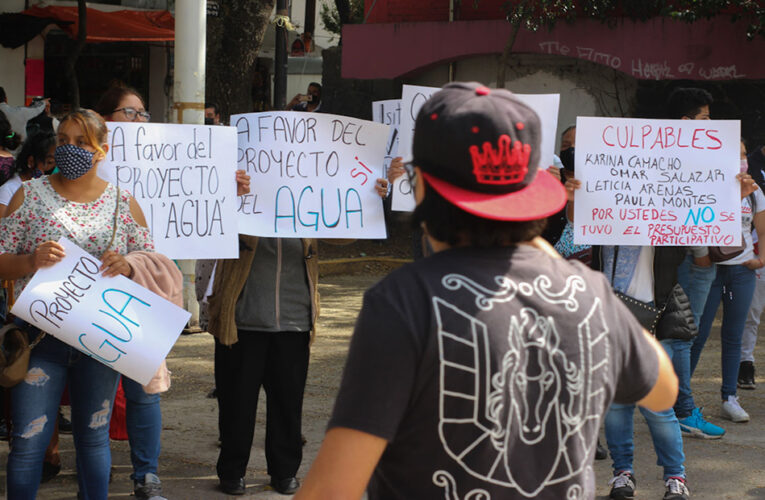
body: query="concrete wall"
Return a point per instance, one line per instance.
(586, 89)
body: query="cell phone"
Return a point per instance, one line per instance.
(306, 98)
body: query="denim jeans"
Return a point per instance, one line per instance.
(144, 426)
(696, 282)
(34, 408)
(734, 285)
(665, 432)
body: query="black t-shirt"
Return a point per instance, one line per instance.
(489, 370)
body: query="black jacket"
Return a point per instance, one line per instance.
(666, 260)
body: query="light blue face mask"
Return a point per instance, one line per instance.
(72, 161)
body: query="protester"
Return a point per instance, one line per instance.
(649, 275)
(34, 160)
(310, 101)
(461, 375)
(18, 116)
(695, 275)
(212, 114)
(142, 411)
(746, 370)
(733, 285)
(74, 203)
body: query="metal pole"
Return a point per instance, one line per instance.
(280, 59)
(189, 104)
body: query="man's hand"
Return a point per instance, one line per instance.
(571, 186)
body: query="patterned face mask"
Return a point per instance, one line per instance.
(72, 161)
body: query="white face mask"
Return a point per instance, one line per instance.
(744, 165)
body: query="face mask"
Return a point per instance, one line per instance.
(567, 158)
(73, 162)
(744, 166)
(37, 173)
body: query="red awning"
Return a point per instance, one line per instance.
(114, 26)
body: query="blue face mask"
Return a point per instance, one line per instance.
(72, 161)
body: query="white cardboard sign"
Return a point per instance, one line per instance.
(313, 175)
(388, 113)
(113, 320)
(412, 98)
(657, 182)
(184, 179)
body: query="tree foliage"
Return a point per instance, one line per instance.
(234, 38)
(339, 13)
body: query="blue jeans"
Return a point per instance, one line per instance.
(144, 426)
(696, 282)
(34, 408)
(665, 432)
(734, 285)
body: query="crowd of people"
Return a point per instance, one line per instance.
(503, 344)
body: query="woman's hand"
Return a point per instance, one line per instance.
(554, 171)
(396, 169)
(114, 264)
(382, 187)
(754, 264)
(46, 254)
(242, 183)
(748, 185)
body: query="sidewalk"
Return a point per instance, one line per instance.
(730, 468)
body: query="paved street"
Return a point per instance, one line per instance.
(730, 468)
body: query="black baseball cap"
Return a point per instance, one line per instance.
(479, 149)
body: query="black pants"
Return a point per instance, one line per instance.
(278, 361)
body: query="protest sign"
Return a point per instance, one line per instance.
(112, 320)
(412, 98)
(388, 113)
(183, 177)
(657, 182)
(313, 175)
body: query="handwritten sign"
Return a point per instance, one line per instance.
(183, 177)
(112, 320)
(388, 113)
(412, 99)
(545, 105)
(657, 182)
(313, 175)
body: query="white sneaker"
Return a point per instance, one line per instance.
(731, 409)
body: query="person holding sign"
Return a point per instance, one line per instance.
(734, 286)
(142, 411)
(484, 369)
(77, 204)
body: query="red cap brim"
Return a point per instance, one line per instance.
(545, 196)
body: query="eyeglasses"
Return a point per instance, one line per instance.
(132, 113)
(410, 173)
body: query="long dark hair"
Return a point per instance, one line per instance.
(8, 138)
(35, 147)
(112, 98)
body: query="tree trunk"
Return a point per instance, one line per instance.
(71, 59)
(505, 58)
(234, 38)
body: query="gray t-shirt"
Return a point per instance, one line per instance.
(276, 296)
(490, 370)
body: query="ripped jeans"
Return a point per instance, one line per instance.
(34, 408)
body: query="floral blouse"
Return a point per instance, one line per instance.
(45, 215)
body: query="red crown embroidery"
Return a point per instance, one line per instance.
(503, 165)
